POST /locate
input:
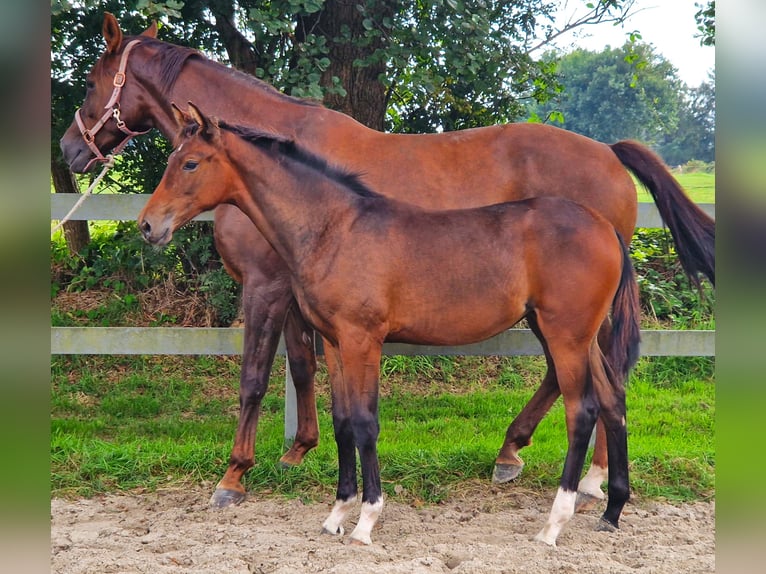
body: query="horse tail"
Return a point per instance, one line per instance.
(692, 229)
(623, 349)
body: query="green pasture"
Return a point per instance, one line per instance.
(121, 423)
(700, 186)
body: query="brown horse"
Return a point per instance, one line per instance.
(460, 169)
(367, 269)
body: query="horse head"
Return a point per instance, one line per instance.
(110, 114)
(196, 178)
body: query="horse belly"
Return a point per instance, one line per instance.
(455, 318)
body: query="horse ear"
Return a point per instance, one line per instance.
(151, 31)
(208, 126)
(112, 33)
(182, 118)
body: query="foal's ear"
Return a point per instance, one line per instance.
(151, 31)
(112, 33)
(182, 118)
(208, 126)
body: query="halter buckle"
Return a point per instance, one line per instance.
(119, 79)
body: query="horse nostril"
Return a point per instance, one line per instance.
(145, 227)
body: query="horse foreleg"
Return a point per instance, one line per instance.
(345, 497)
(299, 343)
(508, 464)
(263, 325)
(355, 407)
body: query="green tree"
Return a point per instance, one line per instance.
(694, 137)
(618, 93)
(705, 18)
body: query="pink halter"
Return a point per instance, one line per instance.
(112, 111)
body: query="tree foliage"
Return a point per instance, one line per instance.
(618, 93)
(705, 18)
(694, 136)
(633, 93)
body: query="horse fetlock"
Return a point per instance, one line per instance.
(367, 519)
(333, 523)
(561, 512)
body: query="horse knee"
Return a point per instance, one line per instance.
(252, 388)
(366, 428)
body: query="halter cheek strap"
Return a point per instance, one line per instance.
(112, 108)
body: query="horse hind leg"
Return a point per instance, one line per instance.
(581, 405)
(611, 397)
(299, 343)
(589, 492)
(263, 324)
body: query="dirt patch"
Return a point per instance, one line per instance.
(489, 532)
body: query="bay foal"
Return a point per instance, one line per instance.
(366, 269)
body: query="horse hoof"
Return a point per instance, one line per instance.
(357, 542)
(605, 526)
(586, 502)
(223, 497)
(506, 472)
(290, 459)
(545, 539)
(338, 532)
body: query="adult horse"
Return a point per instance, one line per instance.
(367, 269)
(128, 91)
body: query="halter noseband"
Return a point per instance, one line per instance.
(112, 111)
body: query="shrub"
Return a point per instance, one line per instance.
(667, 295)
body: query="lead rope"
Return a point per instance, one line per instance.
(107, 166)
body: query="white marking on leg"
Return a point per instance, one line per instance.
(592, 481)
(367, 519)
(563, 509)
(333, 524)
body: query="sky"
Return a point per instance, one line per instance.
(669, 25)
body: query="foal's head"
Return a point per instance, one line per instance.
(197, 178)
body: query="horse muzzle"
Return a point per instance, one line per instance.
(155, 234)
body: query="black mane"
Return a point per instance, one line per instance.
(288, 148)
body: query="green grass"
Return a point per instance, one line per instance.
(698, 185)
(122, 423)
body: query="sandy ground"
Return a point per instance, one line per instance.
(486, 532)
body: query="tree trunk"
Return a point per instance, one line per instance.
(366, 98)
(76, 233)
(242, 54)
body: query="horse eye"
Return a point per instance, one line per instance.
(190, 165)
(89, 85)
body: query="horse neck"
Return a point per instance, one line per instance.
(291, 204)
(221, 92)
